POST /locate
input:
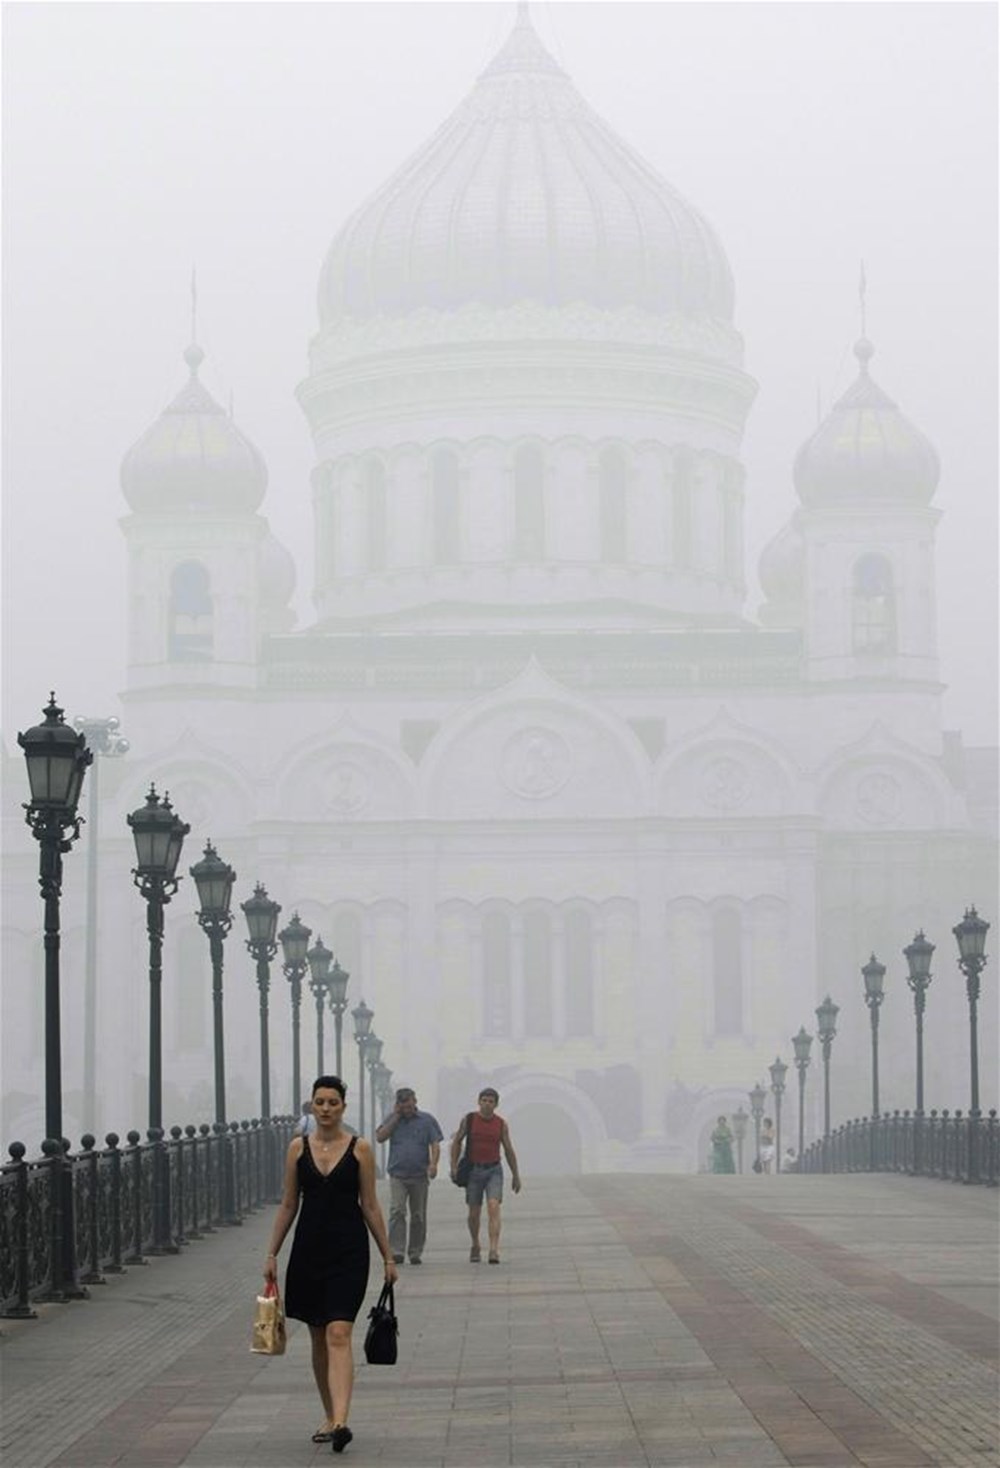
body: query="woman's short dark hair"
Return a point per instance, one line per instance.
(330, 1083)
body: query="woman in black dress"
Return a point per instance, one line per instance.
(331, 1173)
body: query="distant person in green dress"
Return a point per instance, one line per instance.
(722, 1147)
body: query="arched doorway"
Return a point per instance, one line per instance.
(546, 1140)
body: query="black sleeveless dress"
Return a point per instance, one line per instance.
(328, 1269)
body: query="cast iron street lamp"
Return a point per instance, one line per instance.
(158, 833)
(918, 962)
(740, 1119)
(214, 879)
(826, 1028)
(802, 1045)
(104, 740)
(294, 941)
(319, 958)
(262, 921)
(778, 1072)
(873, 974)
(337, 990)
(757, 1098)
(373, 1055)
(362, 1017)
(383, 1087)
(970, 934)
(57, 759)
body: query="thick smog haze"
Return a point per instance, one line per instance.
(598, 742)
(143, 139)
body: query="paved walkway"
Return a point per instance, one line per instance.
(635, 1320)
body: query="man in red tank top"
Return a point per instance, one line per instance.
(487, 1134)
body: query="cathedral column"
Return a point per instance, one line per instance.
(557, 959)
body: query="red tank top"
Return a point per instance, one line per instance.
(484, 1138)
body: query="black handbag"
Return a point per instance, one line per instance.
(380, 1338)
(463, 1167)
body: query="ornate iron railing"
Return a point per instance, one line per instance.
(948, 1145)
(68, 1219)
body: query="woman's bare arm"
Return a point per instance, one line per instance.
(287, 1208)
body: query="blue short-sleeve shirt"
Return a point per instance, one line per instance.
(409, 1143)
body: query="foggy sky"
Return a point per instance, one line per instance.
(143, 138)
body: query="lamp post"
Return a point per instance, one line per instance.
(261, 913)
(918, 963)
(362, 1017)
(757, 1098)
(826, 1028)
(214, 879)
(319, 958)
(104, 740)
(337, 991)
(739, 1120)
(294, 941)
(970, 934)
(778, 1071)
(383, 1087)
(873, 974)
(56, 758)
(373, 1056)
(802, 1045)
(158, 833)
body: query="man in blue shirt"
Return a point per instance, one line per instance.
(414, 1139)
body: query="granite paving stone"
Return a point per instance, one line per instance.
(641, 1319)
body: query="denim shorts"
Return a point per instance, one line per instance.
(485, 1179)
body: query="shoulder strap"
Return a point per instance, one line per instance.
(468, 1131)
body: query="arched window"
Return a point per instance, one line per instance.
(537, 974)
(529, 504)
(446, 530)
(579, 973)
(873, 607)
(496, 975)
(612, 503)
(732, 522)
(190, 630)
(727, 971)
(375, 514)
(682, 509)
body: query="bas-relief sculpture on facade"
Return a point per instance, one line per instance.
(575, 822)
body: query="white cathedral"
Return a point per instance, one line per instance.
(576, 822)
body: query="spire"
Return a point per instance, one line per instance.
(523, 52)
(193, 355)
(862, 292)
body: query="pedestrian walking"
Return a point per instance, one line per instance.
(487, 1134)
(767, 1145)
(330, 1186)
(306, 1122)
(414, 1139)
(722, 1147)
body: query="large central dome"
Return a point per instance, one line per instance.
(525, 194)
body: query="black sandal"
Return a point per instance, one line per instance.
(340, 1437)
(323, 1435)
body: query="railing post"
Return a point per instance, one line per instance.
(175, 1147)
(992, 1178)
(91, 1162)
(205, 1133)
(114, 1265)
(20, 1309)
(234, 1164)
(191, 1144)
(134, 1185)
